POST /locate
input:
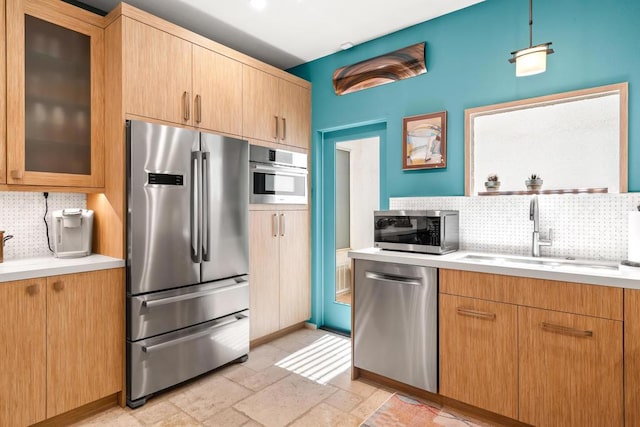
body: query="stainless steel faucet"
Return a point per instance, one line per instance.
(534, 215)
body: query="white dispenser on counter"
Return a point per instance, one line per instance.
(72, 231)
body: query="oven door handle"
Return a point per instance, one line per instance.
(208, 331)
(284, 170)
(185, 297)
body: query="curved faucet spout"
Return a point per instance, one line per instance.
(536, 241)
(534, 213)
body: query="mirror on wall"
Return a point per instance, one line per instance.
(575, 141)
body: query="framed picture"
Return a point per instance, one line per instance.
(424, 141)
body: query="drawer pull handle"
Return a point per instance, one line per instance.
(58, 286)
(550, 327)
(186, 297)
(208, 331)
(33, 290)
(475, 313)
(277, 129)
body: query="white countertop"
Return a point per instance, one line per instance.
(30, 268)
(623, 277)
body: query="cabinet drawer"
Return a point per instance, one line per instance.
(201, 348)
(590, 300)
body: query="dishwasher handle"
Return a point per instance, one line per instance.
(384, 277)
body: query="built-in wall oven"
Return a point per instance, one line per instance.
(277, 176)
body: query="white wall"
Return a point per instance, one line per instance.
(21, 214)
(587, 226)
(364, 188)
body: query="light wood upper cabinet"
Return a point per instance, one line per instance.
(55, 96)
(260, 97)
(85, 338)
(479, 353)
(3, 100)
(264, 274)
(279, 249)
(157, 73)
(295, 269)
(23, 314)
(275, 110)
(295, 113)
(217, 88)
(570, 369)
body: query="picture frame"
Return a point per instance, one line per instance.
(424, 141)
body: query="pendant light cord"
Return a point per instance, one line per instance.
(530, 23)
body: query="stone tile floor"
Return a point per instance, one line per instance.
(302, 379)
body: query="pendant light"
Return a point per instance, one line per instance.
(531, 60)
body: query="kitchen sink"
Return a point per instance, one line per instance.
(553, 263)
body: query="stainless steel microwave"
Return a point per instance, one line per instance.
(277, 176)
(429, 232)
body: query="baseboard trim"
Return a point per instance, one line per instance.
(80, 413)
(275, 335)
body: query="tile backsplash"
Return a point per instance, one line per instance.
(592, 226)
(21, 214)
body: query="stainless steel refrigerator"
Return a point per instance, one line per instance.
(187, 255)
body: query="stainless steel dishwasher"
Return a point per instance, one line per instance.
(396, 322)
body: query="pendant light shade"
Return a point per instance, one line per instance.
(533, 59)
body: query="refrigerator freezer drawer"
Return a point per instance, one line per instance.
(161, 312)
(160, 362)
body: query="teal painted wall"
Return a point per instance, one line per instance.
(466, 55)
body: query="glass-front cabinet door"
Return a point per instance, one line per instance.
(55, 97)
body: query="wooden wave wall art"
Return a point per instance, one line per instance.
(388, 68)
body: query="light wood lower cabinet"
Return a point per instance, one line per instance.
(570, 369)
(478, 353)
(61, 344)
(295, 269)
(85, 315)
(23, 317)
(279, 270)
(534, 357)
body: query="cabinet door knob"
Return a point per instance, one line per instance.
(33, 290)
(277, 128)
(17, 174)
(58, 286)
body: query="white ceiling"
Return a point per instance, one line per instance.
(290, 32)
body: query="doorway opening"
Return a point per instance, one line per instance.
(357, 195)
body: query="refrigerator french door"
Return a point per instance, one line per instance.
(187, 255)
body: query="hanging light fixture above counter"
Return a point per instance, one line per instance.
(533, 59)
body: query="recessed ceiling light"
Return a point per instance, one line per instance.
(346, 45)
(258, 4)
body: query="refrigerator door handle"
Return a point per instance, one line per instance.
(196, 206)
(206, 223)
